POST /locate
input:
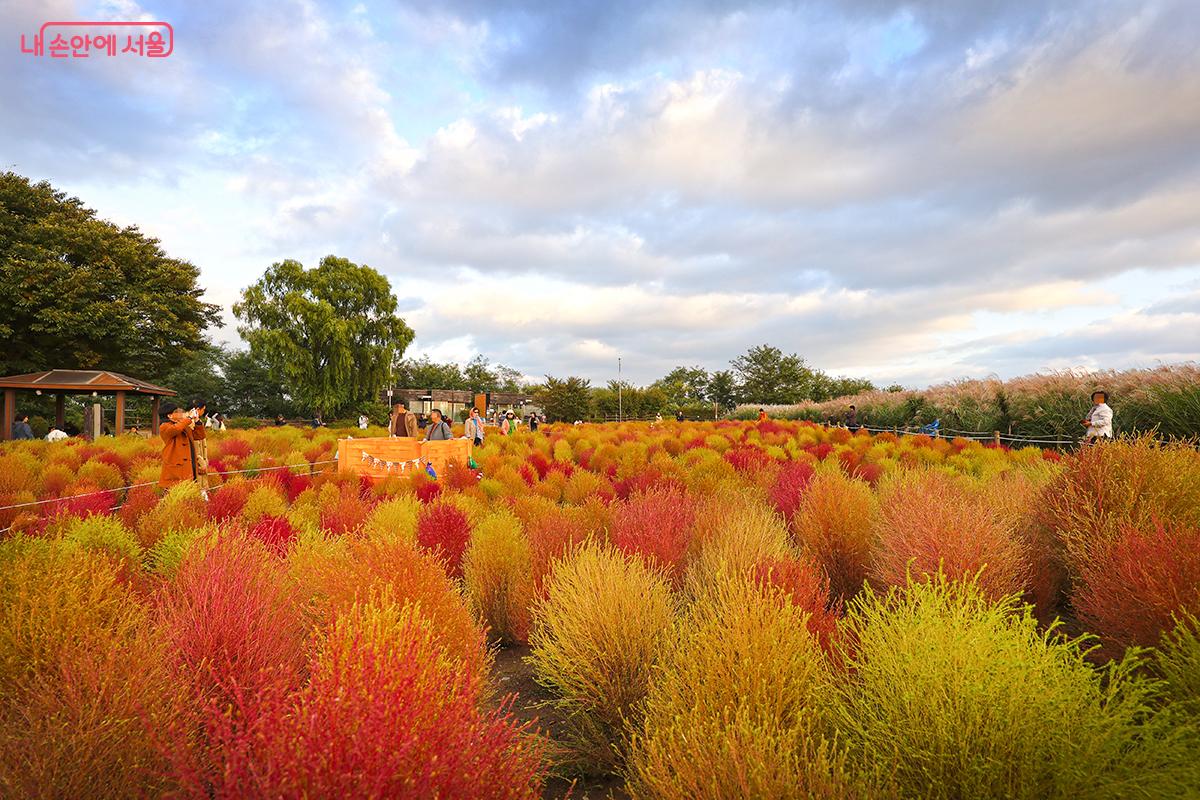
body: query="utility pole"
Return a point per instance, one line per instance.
(620, 400)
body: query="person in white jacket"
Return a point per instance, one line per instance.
(473, 429)
(1099, 420)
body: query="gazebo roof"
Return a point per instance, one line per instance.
(81, 381)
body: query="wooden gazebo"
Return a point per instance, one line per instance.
(62, 382)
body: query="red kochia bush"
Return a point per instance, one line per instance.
(236, 448)
(931, 522)
(444, 530)
(83, 501)
(226, 503)
(656, 525)
(747, 457)
(789, 487)
(383, 715)
(233, 619)
(137, 502)
(428, 491)
(807, 589)
(539, 462)
(1132, 585)
(276, 533)
(348, 514)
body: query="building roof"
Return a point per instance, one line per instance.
(81, 381)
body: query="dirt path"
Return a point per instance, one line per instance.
(514, 675)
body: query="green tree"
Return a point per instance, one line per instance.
(844, 387)
(722, 390)
(479, 378)
(564, 400)
(684, 386)
(252, 390)
(422, 373)
(765, 375)
(201, 376)
(631, 403)
(509, 379)
(330, 332)
(80, 292)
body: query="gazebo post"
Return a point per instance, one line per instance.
(10, 411)
(60, 416)
(154, 415)
(119, 422)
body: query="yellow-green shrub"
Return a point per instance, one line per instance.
(739, 706)
(394, 519)
(498, 575)
(180, 509)
(950, 695)
(731, 537)
(264, 501)
(101, 533)
(595, 640)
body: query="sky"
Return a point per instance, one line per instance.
(911, 192)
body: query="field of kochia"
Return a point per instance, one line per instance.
(699, 610)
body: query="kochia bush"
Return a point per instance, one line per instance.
(930, 522)
(835, 526)
(498, 575)
(656, 525)
(595, 641)
(951, 694)
(739, 707)
(1132, 588)
(84, 679)
(384, 714)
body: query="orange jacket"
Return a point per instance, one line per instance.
(178, 455)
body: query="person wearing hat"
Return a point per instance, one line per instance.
(179, 446)
(1099, 420)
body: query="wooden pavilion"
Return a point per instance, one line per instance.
(62, 382)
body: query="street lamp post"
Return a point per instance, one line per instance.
(620, 401)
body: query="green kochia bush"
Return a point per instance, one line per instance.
(1178, 659)
(951, 695)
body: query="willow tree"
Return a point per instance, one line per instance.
(329, 333)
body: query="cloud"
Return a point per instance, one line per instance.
(906, 190)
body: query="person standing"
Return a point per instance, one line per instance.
(1099, 420)
(21, 428)
(438, 430)
(533, 422)
(363, 422)
(852, 418)
(679, 415)
(179, 449)
(473, 429)
(508, 425)
(198, 412)
(762, 415)
(404, 422)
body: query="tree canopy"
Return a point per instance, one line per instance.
(479, 375)
(330, 333)
(79, 292)
(565, 400)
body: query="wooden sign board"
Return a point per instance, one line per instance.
(399, 450)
